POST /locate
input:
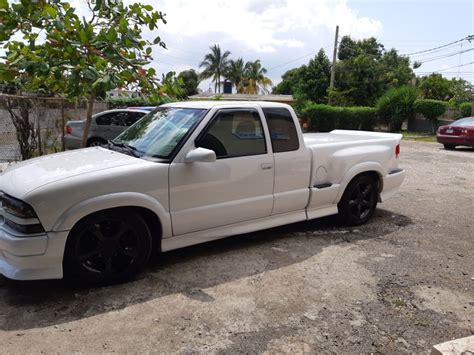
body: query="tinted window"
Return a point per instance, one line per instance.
(105, 119)
(282, 130)
(234, 133)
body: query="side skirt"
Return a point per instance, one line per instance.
(188, 239)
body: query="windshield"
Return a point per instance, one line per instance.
(158, 133)
(468, 121)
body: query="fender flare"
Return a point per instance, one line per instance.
(359, 169)
(71, 216)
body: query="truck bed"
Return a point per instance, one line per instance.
(340, 136)
(340, 155)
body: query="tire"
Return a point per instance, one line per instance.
(449, 146)
(96, 142)
(359, 201)
(107, 247)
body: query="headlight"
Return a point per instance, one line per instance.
(17, 207)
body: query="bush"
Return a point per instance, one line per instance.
(120, 102)
(465, 109)
(325, 118)
(431, 109)
(396, 106)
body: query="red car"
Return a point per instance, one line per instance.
(460, 132)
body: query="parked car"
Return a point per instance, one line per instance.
(460, 132)
(187, 173)
(105, 125)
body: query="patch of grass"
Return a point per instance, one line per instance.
(420, 137)
(399, 302)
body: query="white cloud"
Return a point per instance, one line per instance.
(263, 25)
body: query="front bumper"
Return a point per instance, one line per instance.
(391, 183)
(32, 258)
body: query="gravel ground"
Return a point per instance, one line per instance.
(401, 283)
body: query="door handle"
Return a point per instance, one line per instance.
(266, 166)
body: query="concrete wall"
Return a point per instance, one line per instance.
(49, 116)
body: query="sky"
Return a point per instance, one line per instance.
(285, 34)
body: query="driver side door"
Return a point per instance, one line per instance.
(237, 187)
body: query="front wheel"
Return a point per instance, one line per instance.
(449, 146)
(359, 201)
(107, 247)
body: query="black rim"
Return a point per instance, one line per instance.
(361, 200)
(107, 247)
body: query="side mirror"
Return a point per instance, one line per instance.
(200, 155)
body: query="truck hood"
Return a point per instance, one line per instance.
(20, 179)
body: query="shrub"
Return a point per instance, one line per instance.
(325, 118)
(396, 106)
(465, 109)
(431, 109)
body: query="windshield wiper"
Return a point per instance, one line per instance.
(130, 150)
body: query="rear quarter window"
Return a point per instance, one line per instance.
(282, 128)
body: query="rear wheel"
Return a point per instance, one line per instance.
(107, 247)
(449, 146)
(96, 142)
(359, 201)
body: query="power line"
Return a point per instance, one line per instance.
(446, 55)
(468, 38)
(296, 59)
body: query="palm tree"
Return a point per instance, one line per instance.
(236, 73)
(214, 65)
(257, 81)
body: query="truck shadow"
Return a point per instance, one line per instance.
(188, 271)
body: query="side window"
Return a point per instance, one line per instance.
(104, 120)
(133, 117)
(234, 133)
(120, 119)
(282, 130)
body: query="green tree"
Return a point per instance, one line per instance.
(78, 56)
(190, 82)
(308, 82)
(172, 86)
(396, 106)
(289, 82)
(257, 81)
(214, 65)
(435, 87)
(431, 109)
(236, 72)
(365, 71)
(314, 82)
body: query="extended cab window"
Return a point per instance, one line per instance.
(234, 133)
(282, 129)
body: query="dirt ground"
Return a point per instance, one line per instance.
(401, 283)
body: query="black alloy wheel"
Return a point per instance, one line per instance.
(359, 201)
(107, 247)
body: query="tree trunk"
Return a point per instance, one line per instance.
(87, 126)
(63, 123)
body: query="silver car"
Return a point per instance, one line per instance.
(105, 125)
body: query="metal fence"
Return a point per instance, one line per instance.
(47, 115)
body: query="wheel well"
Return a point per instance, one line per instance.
(151, 219)
(377, 178)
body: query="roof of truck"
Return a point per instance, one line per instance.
(221, 103)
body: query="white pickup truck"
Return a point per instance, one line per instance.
(186, 173)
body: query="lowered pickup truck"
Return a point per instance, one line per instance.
(186, 173)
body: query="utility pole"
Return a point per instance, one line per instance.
(334, 57)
